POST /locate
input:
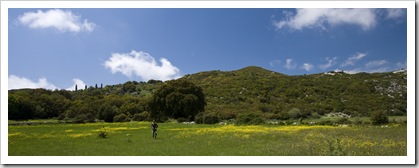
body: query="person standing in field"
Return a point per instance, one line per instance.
(154, 127)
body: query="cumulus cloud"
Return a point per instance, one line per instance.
(351, 60)
(393, 13)
(307, 66)
(324, 17)
(55, 18)
(80, 85)
(143, 65)
(16, 82)
(290, 65)
(330, 62)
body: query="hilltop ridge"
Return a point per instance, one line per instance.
(250, 90)
(254, 89)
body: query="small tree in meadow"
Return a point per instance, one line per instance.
(379, 117)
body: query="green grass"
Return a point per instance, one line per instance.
(134, 139)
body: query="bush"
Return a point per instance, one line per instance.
(90, 118)
(250, 118)
(325, 122)
(295, 113)
(103, 134)
(144, 116)
(61, 116)
(316, 115)
(121, 118)
(227, 115)
(199, 118)
(181, 120)
(379, 117)
(209, 118)
(343, 121)
(273, 116)
(81, 118)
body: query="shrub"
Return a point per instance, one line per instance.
(366, 122)
(208, 118)
(121, 118)
(343, 121)
(227, 115)
(325, 122)
(61, 116)
(250, 118)
(180, 120)
(273, 116)
(90, 118)
(103, 134)
(356, 120)
(295, 113)
(144, 116)
(379, 117)
(81, 118)
(199, 118)
(211, 119)
(316, 115)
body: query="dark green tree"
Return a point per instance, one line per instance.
(379, 117)
(177, 99)
(20, 108)
(128, 87)
(107, 112)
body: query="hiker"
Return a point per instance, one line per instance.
(154, 127)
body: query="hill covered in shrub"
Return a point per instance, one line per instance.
(248, 95)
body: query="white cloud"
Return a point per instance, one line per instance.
(307, 66)
(16, 82)
(290, 65)
(323, 17)
(377, 66)
(55, 18)
(372, 70)
(353, 59)
(330, 63)
(274, 63)
(143, 65)
(373, 64)
(393, 13)
(80, 85)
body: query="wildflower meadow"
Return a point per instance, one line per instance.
(177, 139)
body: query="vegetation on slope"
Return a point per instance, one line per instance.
(251, 94)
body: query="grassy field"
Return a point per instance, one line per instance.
(175, 139)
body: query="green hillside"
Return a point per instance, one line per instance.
(251, 91)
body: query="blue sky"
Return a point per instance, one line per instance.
(58, 48)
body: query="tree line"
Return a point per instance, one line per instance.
(129, 101)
